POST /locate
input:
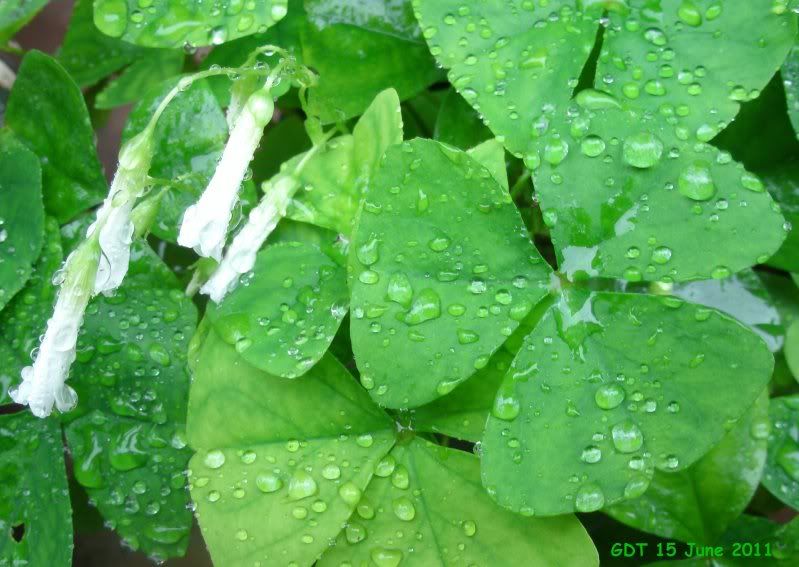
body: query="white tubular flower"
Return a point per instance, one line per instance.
(240, 256)
(205, 223)
(43, 384)
(113, 218)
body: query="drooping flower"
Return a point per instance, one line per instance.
(240, 256)
(205, 224)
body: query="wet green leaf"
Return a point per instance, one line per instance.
(441, 271)
(88, 54)
(744, 297)
(781, 477)
(601, 160)
(175, 23)
(47, 112)
(783, 184)
(140, 77)
(608, 387)
(463, 413)
(16, 13)
(286, 311)
(491, 155)
(790, 77)
(34, 497)
(189, 139)
(24, 318)
(21, 215)
(697, 504)
(356, 58)
(334, 180)
(126, 434)
(435, 494)
(279, 487)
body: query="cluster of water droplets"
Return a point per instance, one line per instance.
(215, 23)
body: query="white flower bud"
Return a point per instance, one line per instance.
(205, 223)
(240, 256)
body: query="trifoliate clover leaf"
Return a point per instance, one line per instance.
(625, 176)
(297, 486)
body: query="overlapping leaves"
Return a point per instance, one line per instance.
(617, 170)
(305, 474)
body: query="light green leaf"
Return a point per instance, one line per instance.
(21, 215)
(792, 348)
(744, 297)
(286, 311)
(88, 54)
(47, 112)
(697, 504)
(33, 493)
(435, 494)
(140, 77)
(278, 488)
(442, 271)
(781, 477)
(463, 413)
(175, 23)
(609, 386)
(334, 180)
(618, 215)
(783, 184)
(491, 155)
(126, 433)
(790, 78)
(189, 139)
(457, 123)
(14, 14)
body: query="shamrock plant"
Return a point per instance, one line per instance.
(419, 282)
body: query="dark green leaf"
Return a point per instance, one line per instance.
(140, 77)
(25, 316)
(33, 493)
(435, 494)
(16, 13)
(442, 272)
(457, 123)
(90, 55)
(189, 138)
(170, 23)
(21, 215)
(278, 488)
(783, 184)
(790, 76)
(286, 311)
(609, 386)
(782, 467)
(47, 112)
(696, 505)
(126, 434)
(618, 215)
